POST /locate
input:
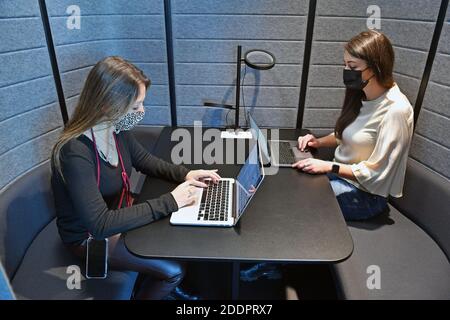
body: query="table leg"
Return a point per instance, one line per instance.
(235, 280)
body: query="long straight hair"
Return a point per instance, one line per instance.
(111, 87)
(376, 50)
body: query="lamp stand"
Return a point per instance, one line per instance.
(237, 133)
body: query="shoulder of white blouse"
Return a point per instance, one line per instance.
(399, 107)
(398, 117)
(398, 99)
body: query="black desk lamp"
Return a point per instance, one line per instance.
(256, 59)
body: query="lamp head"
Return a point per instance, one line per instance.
(259, 59)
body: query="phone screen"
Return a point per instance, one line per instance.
(97, 257)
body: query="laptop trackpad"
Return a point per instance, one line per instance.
(300, 155)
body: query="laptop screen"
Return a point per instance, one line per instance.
(249, 179)
(261, 139)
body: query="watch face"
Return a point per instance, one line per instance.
(335, 168)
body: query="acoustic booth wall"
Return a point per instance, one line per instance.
(205, 37)
(431, 142)
(192, 45)
(132, 29)
(408, 24)
(30, 119)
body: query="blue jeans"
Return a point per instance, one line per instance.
(356, 204)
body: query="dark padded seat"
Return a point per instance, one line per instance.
(147, 135)
(409, 244)
(412, 266)
(31, 250)
(42, 274)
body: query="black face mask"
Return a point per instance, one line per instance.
(353, 79)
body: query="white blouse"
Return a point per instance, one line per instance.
(376, 144)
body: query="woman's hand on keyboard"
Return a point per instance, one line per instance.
(185, 193)
(200, 175)
(308, 141)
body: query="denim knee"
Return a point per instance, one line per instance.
(356, 204)
(175, 272)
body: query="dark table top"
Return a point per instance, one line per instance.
(294, 217)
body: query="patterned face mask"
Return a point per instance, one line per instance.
(128, 121)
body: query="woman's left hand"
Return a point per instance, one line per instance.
(314, 166)
(200, 175)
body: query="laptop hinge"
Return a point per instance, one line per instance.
(233, 201)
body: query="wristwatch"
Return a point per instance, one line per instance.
(335, 168)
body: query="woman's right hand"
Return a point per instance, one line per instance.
(185, 193)
(307, 141)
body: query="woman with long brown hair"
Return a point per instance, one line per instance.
(91, 163)
(372, 135)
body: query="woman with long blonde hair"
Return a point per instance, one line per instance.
(91, 163)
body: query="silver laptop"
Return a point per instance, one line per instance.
(223, 204)
(283, 153)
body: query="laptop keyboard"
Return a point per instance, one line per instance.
(286, 154)
(214, 202)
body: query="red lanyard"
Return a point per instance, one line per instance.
(126, 190)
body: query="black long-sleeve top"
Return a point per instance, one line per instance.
(82, 207)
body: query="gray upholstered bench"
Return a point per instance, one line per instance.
(410, 245)
(34, 257)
